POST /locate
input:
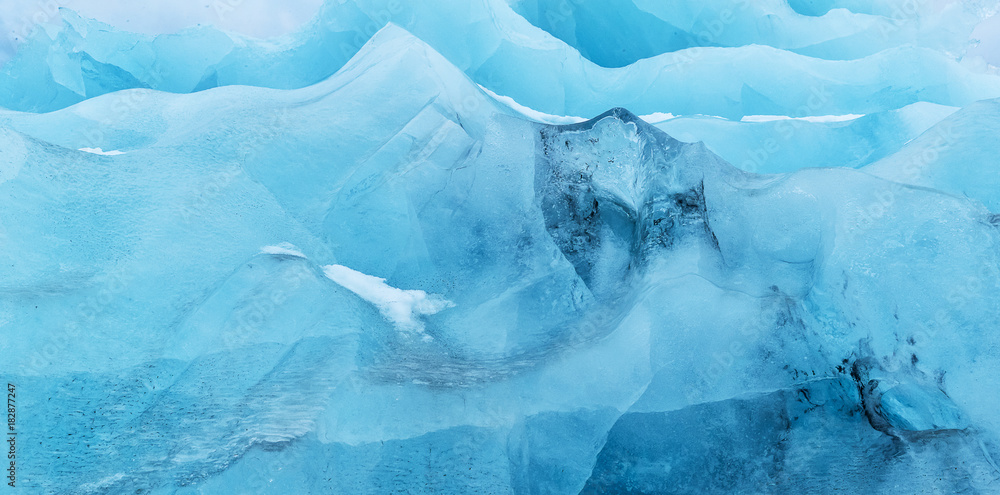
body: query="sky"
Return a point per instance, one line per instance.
(258, 18)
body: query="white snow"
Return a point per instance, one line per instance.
(533, 114)
(284, 248)
(545, 118)
(657, 117)
(99, 151)
(815, 118)
(402, 307)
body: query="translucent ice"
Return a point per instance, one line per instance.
(83, 59)
(957, 155)
(774, 144)
(823, 29)
(407, 267)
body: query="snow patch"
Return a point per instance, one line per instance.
(533, 114)
(402, 307)
(657, 117)
(99, 151)
(815, 118)
(283, 249)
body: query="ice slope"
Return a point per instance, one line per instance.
(888, 8)
(641, 29)
(777, 144)
(83, 58)
(484, 38)
(606, 280)
(252, 129)
(958, 155)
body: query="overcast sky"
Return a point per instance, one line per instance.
(259, 18)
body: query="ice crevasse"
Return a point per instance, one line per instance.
(412, 270)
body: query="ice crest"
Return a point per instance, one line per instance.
(384, 254)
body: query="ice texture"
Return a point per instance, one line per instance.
(822, 29)
(83, 58)
(384, 255)
(956, 155)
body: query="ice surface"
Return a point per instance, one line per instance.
(83, 59)
(99, 151)
(646, 28)
(407, 267)
(776, 144)
(957, 155)
(285, 249)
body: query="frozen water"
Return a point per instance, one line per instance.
(825, 29)
(776, 144)
(409, 266)
(84, 58)
(957, 155)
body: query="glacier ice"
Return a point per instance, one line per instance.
(826, 30)
(384, 255)
(956, 155)
(83, 59)
(778, 144)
